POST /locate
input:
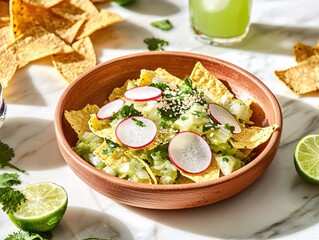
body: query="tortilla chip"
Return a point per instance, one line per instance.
(252, 137)
(102, 128)
(71, 65)
(6, 36)
(303, 51)
(75, 9)
(9, 65)
(25, 16)
(113, 159)
(43, 3)
(211, 173)
(37, 43)
(302, 78)
(101, 20)
(79, 119)
(213, 88)
(119, 91)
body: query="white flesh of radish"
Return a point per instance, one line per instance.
(223, 116)
(190, 152)
(108, 109)
(129, 133)
(144, 93)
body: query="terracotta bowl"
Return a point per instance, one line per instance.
(94, 86)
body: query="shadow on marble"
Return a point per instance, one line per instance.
(159, 8)
(34, 143)
(123, 36)
(21, 90)
(280, 203)
(277, 39)
(80, 223)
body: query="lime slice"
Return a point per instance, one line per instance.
(306, 158)
(45, 206)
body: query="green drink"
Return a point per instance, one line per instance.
(221, 22)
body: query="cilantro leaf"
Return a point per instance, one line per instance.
(23, 235)
(229, 127)
(10, 199)
(186, 87)
(110, 147)
(164, 25)
(155, 44)
(161, 151)
(125, 112)
(139, 122)
(9, 179)
(123, 2)
(161, 86)
(6, 154)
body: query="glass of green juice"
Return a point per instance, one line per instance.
(220, 22)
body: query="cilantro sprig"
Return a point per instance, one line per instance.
(138, 122)
(164, 25)
(155, 44)
(10, 198)
(6, 155)
(111, 146)
(23, 235)
(125, 112)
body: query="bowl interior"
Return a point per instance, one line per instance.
(95, 86)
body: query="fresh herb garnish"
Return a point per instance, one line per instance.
(123, 2)
(164, 25)
(229, 127)
(139, 122)
(161, 86)
(125, 112)
(111, 146)
(23, 235)
(6, 154)
(186, 87)
(225, 159)
(161, 151)
(155, 44)
(10, 198)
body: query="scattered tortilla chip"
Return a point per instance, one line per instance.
(102, 128)
(302, 78)
(9, 65)
(103, 19)
(119, 91)
(252, 137)
(43, 3)
(79, 119)
(37, 43)
(113, 159)
(71, 65)
(303, 51)
(75, 9)
(211, 173)
(6, 36)
(212, 87)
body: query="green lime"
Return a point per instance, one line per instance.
(306, 158)
(45, 206)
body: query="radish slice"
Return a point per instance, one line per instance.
(136, 132)
(223, 116)
(190, 152)
(108, 109)
(143, 94)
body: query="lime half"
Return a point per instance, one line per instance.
(306, 158)
(45, 206)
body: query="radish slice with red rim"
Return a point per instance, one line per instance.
(108, 109)
(190, 152)
(136, 132)
(222, 116)
(143, 93)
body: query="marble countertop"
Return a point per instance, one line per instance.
(279, 205)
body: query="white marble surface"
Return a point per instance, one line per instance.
(279, 205)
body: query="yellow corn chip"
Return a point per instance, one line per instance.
(213, 88)
(43, 3)
(111, 160)
(9, 65)
(71, 65)
(119, 91)
(6, 36)
(79, 119)
(101, 20)
(302, 78)
(303, 51)
(211, 173)
(146, 77)
(37, 43)
(75, 9)
(102, 128)
(252, 137)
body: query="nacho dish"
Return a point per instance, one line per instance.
(160, 129)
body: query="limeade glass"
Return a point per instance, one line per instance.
(220, 22)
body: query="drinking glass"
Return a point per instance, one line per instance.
(220, 22)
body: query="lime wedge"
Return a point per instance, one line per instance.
(306, 158)
(45, 206)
